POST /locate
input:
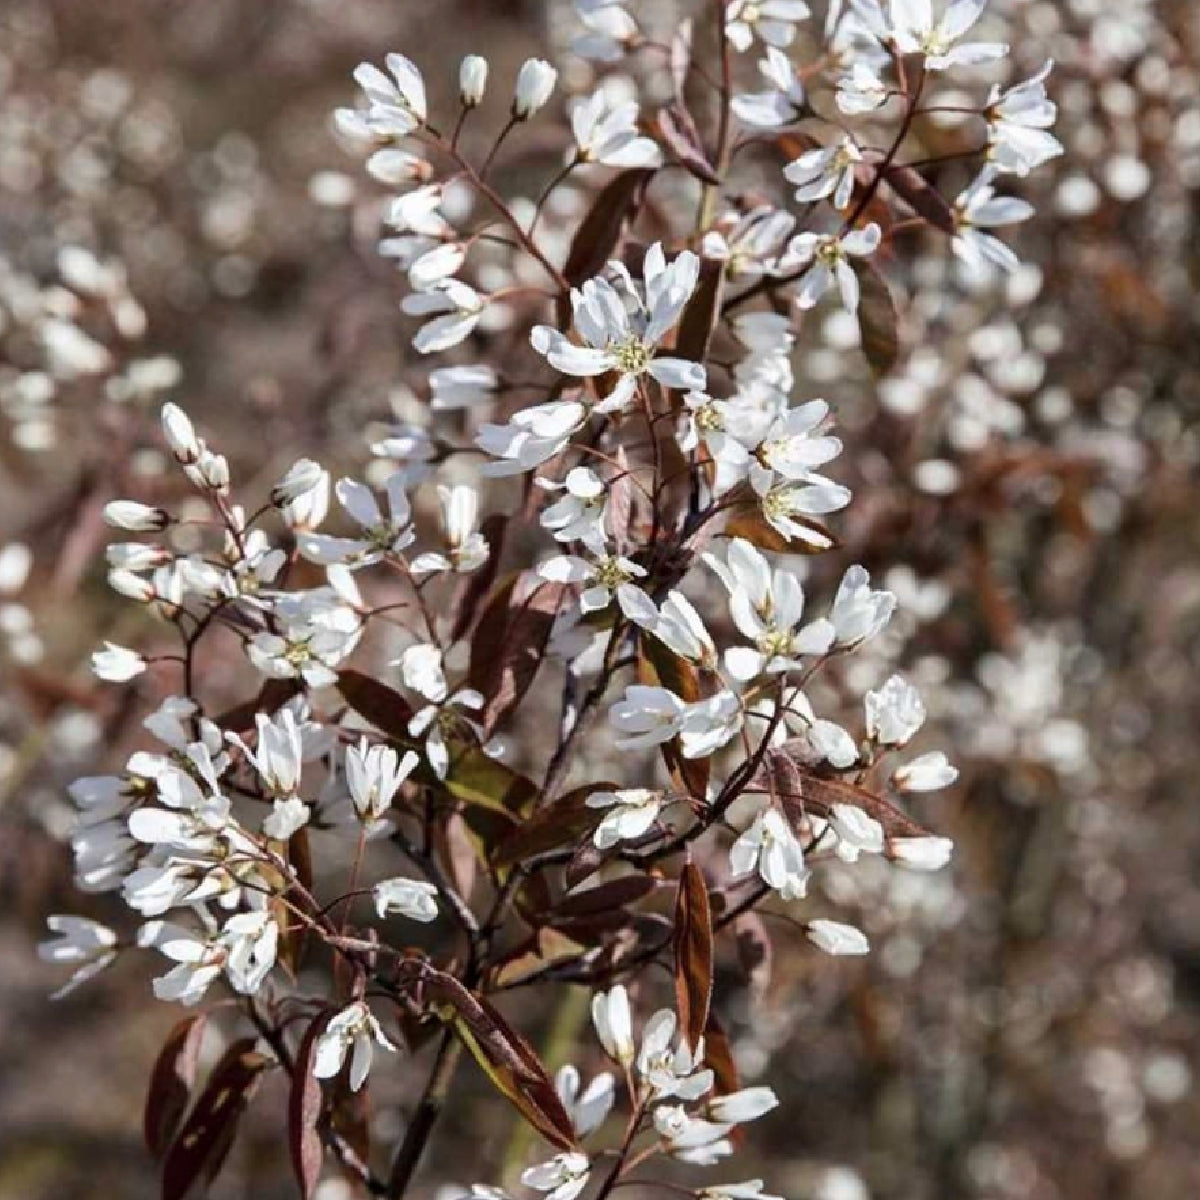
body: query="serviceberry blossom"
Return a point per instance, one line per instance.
(587, 1107)
(562, 1178)
(613, 1020)
(784, 100)
(395, 106)
(412, 898)
(373, 776)
(827, 257)
(381, 536)
(1018, 122)
(81, 943)
(914, 30)
(978, 209)
(827, 172)
(355, 1032)
(628, 814)
(610, 30)
(771, 21)
(894, 712)
(770, 847)
(622, 326)
(466, 549)
(535, 83)
(607, 134)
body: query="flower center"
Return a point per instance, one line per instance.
(610, 573)
(633, 356)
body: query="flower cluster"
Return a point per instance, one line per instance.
(394, 628)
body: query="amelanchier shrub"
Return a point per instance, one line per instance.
(657, 441)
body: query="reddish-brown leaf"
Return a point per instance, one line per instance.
(693, 953)
(679, 131)
(610, 897)
(599, 233)
(510, 643)
(701, 312)
(200, 1147)
(560, 824)
(718, 1054)
(877, 319)
(305, 1101)
(377, 703)
(747, 521)
(171, 1081)
(922, 197)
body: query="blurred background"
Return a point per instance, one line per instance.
(1026, 480)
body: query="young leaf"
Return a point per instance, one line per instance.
(563, 823)
(599, 233)
(304, 1111)
(693, 953)
(922, 197)
(171, 1081)
(510, 643)
(701, 312)
(679, 131)
(377, 703)
(200, 1147)
(877, 319)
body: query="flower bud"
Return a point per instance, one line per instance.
(472, 79)
(181, 437)
(135, 517)
(117, 664)
(302, 477)
(535, 82)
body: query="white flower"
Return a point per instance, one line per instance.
(374, 775)
(859, 613)
(610, 30)
(413, 898)
(279, 752)
(602, 574)
(288, 814)
(456, 309)
(621, 328)
(707, 725)
(117, 664)
(676, 624)
(380, 536)
(647, 716)
(466, 547)
(835, 938)
(825, 171)
(395, 106)
(532, 436)
(857, 832)
(1019, 121)
(631, 813)
(894, 712)
(421, 670)
(614, 1023)
(562, 1178)
(979, 208)
(927, 773)
(579, 515)
(921, 853)
(472, 80)
(914, 31)
(689, 1138)
(535, 82)
(135, 517)
(587, 1110)
(302, 477)
(750, 245)
(770, 846)
(783, 502)
(861, 90)
(607, 133)
(782, 104)
(746, 1104)
(671, 1070)
(82, 943)
(772, 21)
(352, 1031)
(302, 495)
(829, 255)
(180, 434)
(397, 167)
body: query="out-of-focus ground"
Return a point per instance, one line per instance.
(1027, 1027)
